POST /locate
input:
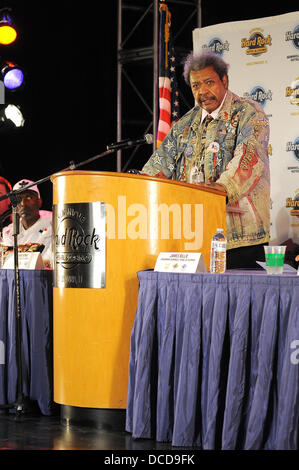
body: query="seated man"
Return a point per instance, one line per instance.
(35, 225)
(5, 209)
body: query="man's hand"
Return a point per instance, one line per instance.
(217, 186)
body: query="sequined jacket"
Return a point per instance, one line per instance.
(235, 154)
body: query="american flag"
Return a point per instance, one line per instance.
(168, 91)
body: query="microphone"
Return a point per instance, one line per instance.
(147, 139)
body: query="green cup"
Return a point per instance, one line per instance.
(274, 259)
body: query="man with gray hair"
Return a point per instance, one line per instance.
(222, 141)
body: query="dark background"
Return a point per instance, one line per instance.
(69, 53)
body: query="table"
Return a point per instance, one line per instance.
(214, 360)
(36, 314)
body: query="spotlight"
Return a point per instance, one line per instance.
(8, 33)
(13, 77)
(13, 113)
(11, 117)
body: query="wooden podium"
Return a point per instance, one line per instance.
(92, 326)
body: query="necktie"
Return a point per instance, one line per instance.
(197, 173)
(205, 124)
(211, 177)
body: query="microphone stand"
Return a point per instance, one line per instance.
(74, 166)
(20, 403)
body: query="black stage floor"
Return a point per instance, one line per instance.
(38, 437)
(33, 431)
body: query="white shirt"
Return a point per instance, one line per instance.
(40, 232)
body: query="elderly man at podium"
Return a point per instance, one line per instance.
(35, 224)
(222, 141)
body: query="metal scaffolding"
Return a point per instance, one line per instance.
(137, 68)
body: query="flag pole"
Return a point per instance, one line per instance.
(199, 14)
(155, 72)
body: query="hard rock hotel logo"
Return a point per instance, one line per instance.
(257, 43)
(293, 204)
(292, 92)
(79, 245)
(293, 147)
(293, 37)
(217, 45)
(259, 94)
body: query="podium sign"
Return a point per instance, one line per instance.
(180, 263)
(79, 245)
(27, 260)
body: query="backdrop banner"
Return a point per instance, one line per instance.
(263, 55)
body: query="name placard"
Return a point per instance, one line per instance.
(180, 263)
(27, 260)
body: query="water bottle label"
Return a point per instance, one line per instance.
(218, 246)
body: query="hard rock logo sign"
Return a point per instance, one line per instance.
(257, 43)
(292, 92)
(293, 204)
(79, 245)
(293, 36)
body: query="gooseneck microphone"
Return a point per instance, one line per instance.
(147, 139)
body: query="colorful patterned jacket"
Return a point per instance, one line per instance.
(236, 151)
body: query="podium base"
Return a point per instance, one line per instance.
(99, 418)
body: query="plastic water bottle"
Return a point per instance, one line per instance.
(218, 252)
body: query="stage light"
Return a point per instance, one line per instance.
(8, 33)
(13, 76)
(13, 113)
(11, 117)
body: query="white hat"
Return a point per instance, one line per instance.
(23, 183)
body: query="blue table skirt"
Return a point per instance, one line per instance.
(36, 313)
(214, 361)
